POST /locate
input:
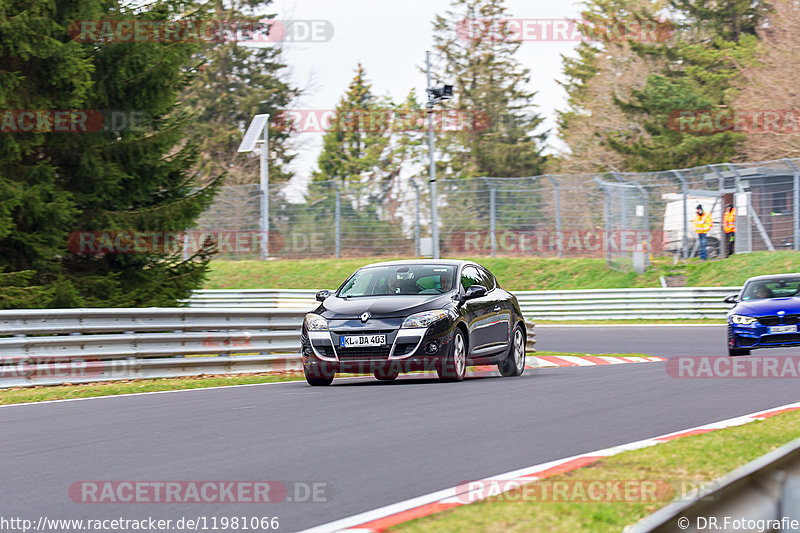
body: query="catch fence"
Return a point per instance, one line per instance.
(625, 218)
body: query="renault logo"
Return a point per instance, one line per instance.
(364, 316)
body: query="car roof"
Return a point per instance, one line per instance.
(768, 277)
(449, 262)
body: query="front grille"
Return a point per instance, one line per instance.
(327, 351)
(745, 341)
(377, 352)
(404, 348)
(771, 320)
(363, 332)
(791, 319)
(783, 338)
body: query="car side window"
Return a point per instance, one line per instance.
(488, 280)
(470, 276)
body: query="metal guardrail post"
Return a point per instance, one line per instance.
(795, 205)
(416, 216)
(338, 220)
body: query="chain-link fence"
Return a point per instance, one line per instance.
(624, 217)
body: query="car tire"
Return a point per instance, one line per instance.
(317, 377)
(386, 375)
(514, 364)
(733, 352)
(454, 365)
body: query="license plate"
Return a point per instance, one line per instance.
(355, 341)
(783, 329)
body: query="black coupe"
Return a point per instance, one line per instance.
(402, 316)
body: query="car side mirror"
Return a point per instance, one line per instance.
(732, 299)
(321, 295)
(475, 291)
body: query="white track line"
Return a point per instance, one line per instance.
(450, 496)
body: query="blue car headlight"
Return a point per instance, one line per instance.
(424, 319)
(743, 320)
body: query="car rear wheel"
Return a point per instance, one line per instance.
(514, 364)
(738, 351)
(317, 377)
(454, 366)
(386, 375)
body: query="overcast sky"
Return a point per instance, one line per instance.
(390, 38)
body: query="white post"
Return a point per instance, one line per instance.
(264, 186)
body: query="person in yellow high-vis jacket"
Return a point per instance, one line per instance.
(729, 227)
(702, 225)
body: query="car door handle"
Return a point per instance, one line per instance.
(497, 309)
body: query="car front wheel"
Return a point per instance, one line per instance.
(454, 366)
(514, 364)
(733, 352)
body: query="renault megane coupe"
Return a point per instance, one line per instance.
(402, 316)
(766, 314)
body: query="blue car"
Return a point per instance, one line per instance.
(766, 314)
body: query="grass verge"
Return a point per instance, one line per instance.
(529, 273)
(132, 386)
(688, 462)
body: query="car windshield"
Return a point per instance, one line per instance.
(392, 280)
(771, 288)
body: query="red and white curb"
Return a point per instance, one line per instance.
(545, 361)
(391, 515)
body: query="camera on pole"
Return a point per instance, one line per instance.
(439, 94)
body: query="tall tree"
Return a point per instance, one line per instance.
(491, 84)
(53, 184)
(700, 73)
(603, 68)
(769, 83)
(355, 150)
(236, 81)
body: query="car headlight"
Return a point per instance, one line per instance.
(745, 320)
(424, 319)
(315, 322)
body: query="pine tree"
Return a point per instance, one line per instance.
(700, 74)
(490, 83)
(602, 69)
(235, 82)
(136, 179)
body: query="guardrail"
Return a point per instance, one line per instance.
(53, 346)
(588, 304)
(765, 491)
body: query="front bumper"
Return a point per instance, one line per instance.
(758, 336)
(406, 350)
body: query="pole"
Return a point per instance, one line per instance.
(338, 221)
(434, 215)
(416, 217)
(264, 189)
(492, 216)
(795, 205)
(685, 192)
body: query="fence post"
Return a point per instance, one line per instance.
(416, 216)
(492, 206)
(685, 193)
(752, 212)
(606, 218)
(795, 205)
(557, 193)
(338, 220)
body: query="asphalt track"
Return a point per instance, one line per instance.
(373, 443)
